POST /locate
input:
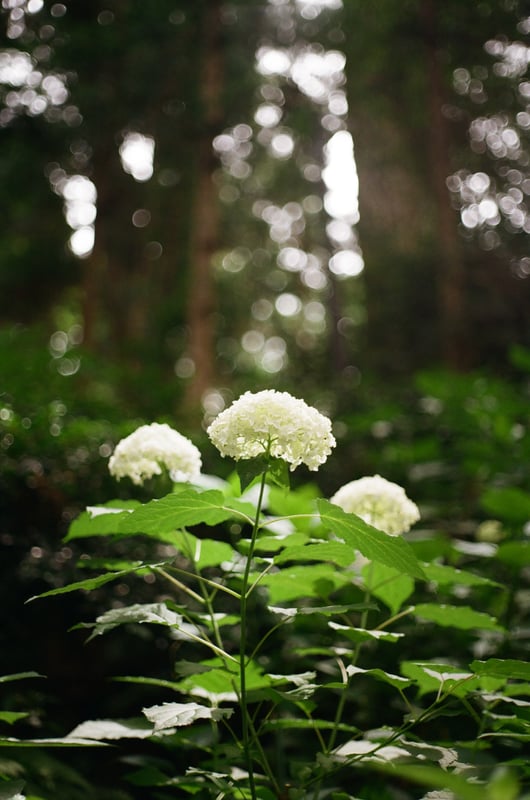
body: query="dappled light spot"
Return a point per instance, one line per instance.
(288, 305)
(262, 309)
(141, 217)
(137, 153)
(252, 341)
(268, 115)
(346, 264)
(282, 145)
(81, 242)
(185, 367)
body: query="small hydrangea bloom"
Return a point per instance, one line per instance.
(275, 423)
(378, 502)
(150, 449)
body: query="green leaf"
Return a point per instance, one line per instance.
(65, 741)
(393, 551)
(397, 681)
(387, 584)
(461, 617)
(91, 583)
(516, 554)
(249, 469)
(12, 716)
(435, 778)
(11, 790)
(291, 583)
(272, 544)
(445, 575)
(175, 715)
(432, 677)
(363, 635)
(278, 472)
(136, 728)
(510, 504)
(101, 520)
(202, 552)
(154, 613)
(176, 511)
(294, 723)
(19, 676)
(503, 668)
(335, 552)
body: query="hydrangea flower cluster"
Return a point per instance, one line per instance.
(378, 502)
(150, 449)
(275, 423)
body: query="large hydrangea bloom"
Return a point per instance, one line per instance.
(275, 423)
(378, 502)
(150, 449)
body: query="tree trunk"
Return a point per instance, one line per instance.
(451, 275)
(204, 238)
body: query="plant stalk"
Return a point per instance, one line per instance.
(243, 645)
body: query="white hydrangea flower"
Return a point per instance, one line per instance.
(150, 449)
(294, 431)
(378, 502)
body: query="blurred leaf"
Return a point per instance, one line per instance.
(12, 716)
(388, 585)
(511, 504)
(363, 635)
(446, 575)
(461, 617)
(19, 676)
(502, 668)
(335, 552)
(432, 677)
(516, 554)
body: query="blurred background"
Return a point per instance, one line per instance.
(328, 197)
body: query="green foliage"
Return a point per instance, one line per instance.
(280, 631)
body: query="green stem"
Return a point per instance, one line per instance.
(243, 645)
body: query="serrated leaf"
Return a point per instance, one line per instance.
(461, 617)
(249, 469)
(175, 715)
(154, 613)
(388, 585)
(363, 635)
(334, 552)
(502, 668)
(431, 677)
(397, 681)
(102, 729)
(278, 472)
(445, 575)
(91, 583)
(393, 551)
(101, 520)
(175, 511)
(202, 552)
(290, 583)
